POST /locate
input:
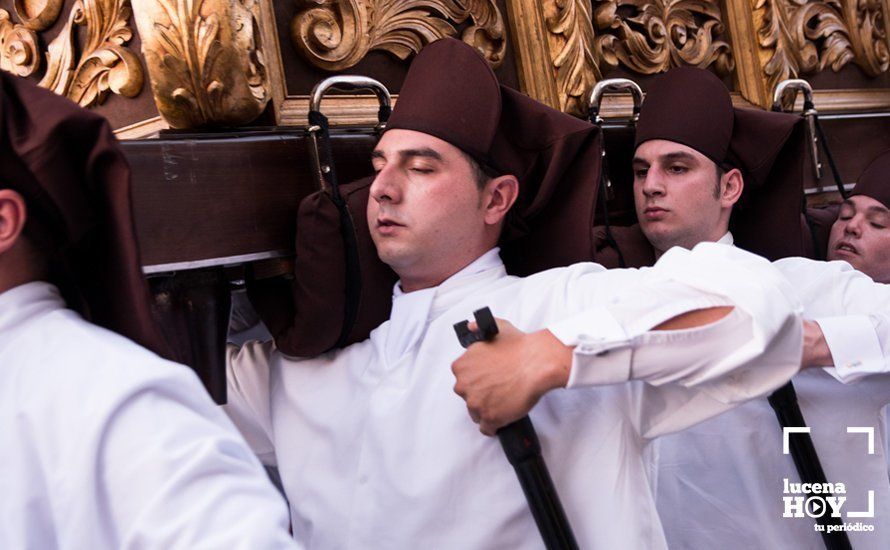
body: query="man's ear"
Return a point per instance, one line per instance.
(12, 218)
(501, 193)
(731, 187)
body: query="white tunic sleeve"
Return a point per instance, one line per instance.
(177, 474)
(852, 310)
(749, 353)
(247, 378)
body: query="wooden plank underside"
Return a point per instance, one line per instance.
(197, 201)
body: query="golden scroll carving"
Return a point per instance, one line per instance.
(573, 50)
(86, 74)
(336, 34)
(800, 37)
(643, 36)
(18, 47)
(205, 59)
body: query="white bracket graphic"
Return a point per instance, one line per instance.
(869, 430)
(792, 430)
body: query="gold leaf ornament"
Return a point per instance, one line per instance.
(577, 50)
(867, 20)
(651, 37)
(205, 60)
(644, 36)
(18, 47)
(104, 65)
(336, 34)
(38, 15)
(807, 36)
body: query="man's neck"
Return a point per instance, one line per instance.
(725, 238)
(10, 279)
(408, 284)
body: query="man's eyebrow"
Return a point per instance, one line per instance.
(878, 210)
(678, 155)
(425, 152)
(638, 160)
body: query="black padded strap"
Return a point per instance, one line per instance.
(604, 202)
(383, 113)
(347, 229)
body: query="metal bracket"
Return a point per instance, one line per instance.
(346, 83)
(795, 86)
(612, 85)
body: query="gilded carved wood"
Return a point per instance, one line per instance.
(800, 37)
(655, 36)
(642, 36)
(18, 47)
(205, 59)
(85, 66)
(336, 34)
(104, 64)
(38, 15)
(218, 62)
(574, 52)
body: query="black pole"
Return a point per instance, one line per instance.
(806, 460)
(523, 450)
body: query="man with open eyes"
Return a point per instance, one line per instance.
(721, 483)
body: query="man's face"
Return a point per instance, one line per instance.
(861, 236)
(677, 197)
(425, 212)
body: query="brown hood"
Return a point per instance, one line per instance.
(69, 167)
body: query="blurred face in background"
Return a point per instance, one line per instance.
(861, 237)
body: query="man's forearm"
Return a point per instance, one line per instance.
(815, 348)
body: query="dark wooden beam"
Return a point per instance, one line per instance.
(213, 200)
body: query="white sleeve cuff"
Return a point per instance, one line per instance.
(854, 347)
(603, 351)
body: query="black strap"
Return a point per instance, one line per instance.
(604, 200)
(347, 229)
(806, 460)
(383, 113)
(784, 400)
(838, 180)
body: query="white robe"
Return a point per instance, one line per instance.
(375, 450)
(105, 445)
(720, 484)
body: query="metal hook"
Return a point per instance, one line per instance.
(795, 86)
(613, 85)
(593, 114)
(345, 83)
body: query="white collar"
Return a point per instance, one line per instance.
(413, 311)
(727, 239)
(20, 304)
(485, 262)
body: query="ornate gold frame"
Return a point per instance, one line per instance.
(557, 56)
(219, 62)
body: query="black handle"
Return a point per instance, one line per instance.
(523, 450)
(806, 460)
